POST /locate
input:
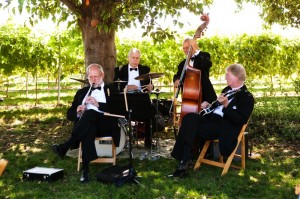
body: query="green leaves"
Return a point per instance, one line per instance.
(285, 12)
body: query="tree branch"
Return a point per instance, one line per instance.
(71, 5)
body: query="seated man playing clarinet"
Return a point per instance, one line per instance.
(87, 111)
(223, 120)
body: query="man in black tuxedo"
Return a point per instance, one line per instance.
(200, 60)
(128, 73)
(87, 112)
(224, 123)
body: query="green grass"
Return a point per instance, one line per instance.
(28, 131)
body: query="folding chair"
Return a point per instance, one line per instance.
(3, 164)
(176, 113)
(227, 164)
(111, 159)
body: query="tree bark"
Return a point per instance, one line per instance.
(99, 47)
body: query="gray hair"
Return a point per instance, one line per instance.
(237, 70)
(94, 65)
(134, 50)
(186, 40)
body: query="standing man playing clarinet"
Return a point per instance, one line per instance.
(87, 112)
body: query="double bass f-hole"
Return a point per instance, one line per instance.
(192, 88)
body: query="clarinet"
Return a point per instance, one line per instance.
(88, 93)
(86, 96)
(216, 103)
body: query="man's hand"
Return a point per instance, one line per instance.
(132, 87)
(176, 83)
(150, 87)
(92, 100)
(80, 109)
(223, 100)
(205, 105)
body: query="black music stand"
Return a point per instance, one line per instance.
(136, 104)
(139, 103)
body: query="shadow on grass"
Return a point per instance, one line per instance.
(27, 134)
(271, 176)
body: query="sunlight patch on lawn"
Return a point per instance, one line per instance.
(286, 150)
(241, 172)
(193, 194)
(262, 173)
(253, 179)
(17, 122)
(38, 141)
(151, 173)
(180, 192)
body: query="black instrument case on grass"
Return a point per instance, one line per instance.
(43, 174)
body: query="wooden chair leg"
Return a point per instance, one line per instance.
(240, 141)
(202, 154)
(79, 157)
(111, 160)
(243, 152)
(230, 158)
(114, 156)
(3, 164)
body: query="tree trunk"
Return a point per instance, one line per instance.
(27, 77)
(36, 88)
(99, 47)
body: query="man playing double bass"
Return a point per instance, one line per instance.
(199, 60)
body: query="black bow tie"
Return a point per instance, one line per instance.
(133, 69)
(94, 88)
(192, 58)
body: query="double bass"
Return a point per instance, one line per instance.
(192, 88)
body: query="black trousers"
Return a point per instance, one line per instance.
(93, 124)
(192, 126)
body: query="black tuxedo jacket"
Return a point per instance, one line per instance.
(213, 126)
(202, 62)
(121, 73)
(236, 114)
(79, 96)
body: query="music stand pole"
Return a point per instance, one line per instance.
(156, 120)
(131, 176)
(156, 125)
(130, 139)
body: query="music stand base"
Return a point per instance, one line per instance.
(130, 178)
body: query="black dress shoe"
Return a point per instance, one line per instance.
(56, 149)
(180, 173)
(84, 177)
(183, 165)
(182, 170)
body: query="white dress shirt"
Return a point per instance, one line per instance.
(218, 110)
(132, 75)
